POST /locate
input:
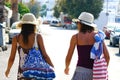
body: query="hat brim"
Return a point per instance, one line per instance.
(26, 22)
(75, 20)
(89, 24)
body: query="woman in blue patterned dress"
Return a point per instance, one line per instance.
(25, 41)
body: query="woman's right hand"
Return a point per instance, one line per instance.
(7, 73)
(66, 71)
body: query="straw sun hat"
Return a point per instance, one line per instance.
(28, 18)
(86, 18)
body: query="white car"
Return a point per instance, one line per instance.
(13, 31)
(55, 23)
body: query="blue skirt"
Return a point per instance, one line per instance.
(82, 73)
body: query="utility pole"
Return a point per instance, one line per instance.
(107, 12)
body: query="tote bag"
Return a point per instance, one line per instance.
(36, 67)
(100, 69)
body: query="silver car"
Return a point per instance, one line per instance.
(14, 30)
(114, 36)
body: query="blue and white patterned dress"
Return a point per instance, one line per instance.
(22, 55)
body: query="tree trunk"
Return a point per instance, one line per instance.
(2, 17)
(7, 0)
(15, 10)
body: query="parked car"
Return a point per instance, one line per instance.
(108, 28)
(46, 20)
(119, 45)
(114, 36)
(14, 30)
(55, 22)
(72, 25)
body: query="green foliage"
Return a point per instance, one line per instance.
(56, 14)
(43, 7)
(43, 10)
(8, 4)
(74, 7)
(22, 9)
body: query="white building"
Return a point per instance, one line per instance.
(108, 14)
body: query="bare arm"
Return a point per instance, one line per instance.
(70, 54)
(45, 55)
(106, 53)
(12, 56)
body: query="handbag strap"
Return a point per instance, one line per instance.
(35, 42)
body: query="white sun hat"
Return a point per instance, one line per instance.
(28, 18)
(87, 19)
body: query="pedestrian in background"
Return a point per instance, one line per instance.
(84, 41)
(25, 41)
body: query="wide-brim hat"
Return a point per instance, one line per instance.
(86, 18)
(28, 18)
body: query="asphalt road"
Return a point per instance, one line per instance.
(56, 41)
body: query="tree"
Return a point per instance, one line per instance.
(14, 8)
(34, 8)
(74, 7)
(14, 4)
(8, 4)
(2, 16)
(43, 10)
(56, 13)
(22, 8)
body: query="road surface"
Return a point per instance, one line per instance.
(56, 41)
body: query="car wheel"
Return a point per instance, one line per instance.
(64, 26)
(113, 44)
(119, 50)
(110, 43)
(10, 41)
(4, 48)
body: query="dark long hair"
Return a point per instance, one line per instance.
(26, 30)
(85, 28)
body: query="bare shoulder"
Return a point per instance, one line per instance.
(95, 32)
(14, 40)
(39, 36)
(74, 38)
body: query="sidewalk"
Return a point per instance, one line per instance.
(3, 64)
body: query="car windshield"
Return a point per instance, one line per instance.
(55, 21)
(13, 27)
(110, 27)
(117, 30)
